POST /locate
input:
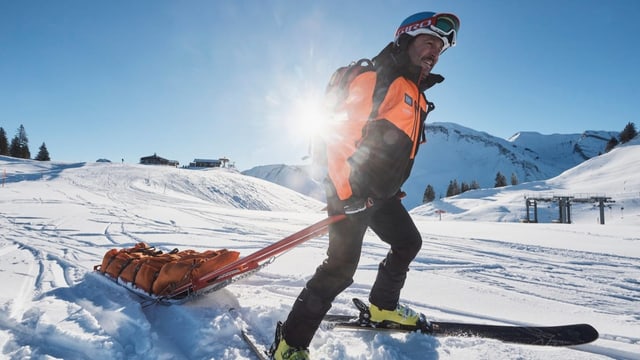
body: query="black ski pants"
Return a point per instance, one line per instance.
(392, 223)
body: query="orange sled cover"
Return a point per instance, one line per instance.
(159, 273)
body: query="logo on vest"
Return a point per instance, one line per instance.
(408, 100)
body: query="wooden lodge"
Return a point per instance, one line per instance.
(157, 160)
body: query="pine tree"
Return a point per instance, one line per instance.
(628, 133)
(43, 154)
(14, 148)
(4, 142)
(453, 189)
(429, 194)
(612, 143)
(20, 145)
(514, 179)
(474, 185)
(501, 180)
(464, 187)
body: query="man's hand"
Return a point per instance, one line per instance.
(357, 205)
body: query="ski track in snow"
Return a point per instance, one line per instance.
(519, 267)
(61, 309)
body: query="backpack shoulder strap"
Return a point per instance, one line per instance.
(338, 86)
(342, 77)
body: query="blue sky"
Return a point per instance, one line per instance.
(241, 79)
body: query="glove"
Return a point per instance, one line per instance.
(357, 205)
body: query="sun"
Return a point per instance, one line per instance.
(308, 117)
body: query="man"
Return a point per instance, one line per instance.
(369, 156)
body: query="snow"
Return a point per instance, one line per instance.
(479, 264)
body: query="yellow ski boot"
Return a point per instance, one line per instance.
(280, 350)
(402, 315)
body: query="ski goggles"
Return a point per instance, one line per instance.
(445, 26)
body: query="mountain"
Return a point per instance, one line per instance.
(455, 152)
(556, 148)
(294, 177)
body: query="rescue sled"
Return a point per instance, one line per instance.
(179, 276)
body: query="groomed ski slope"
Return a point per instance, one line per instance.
(58, 220)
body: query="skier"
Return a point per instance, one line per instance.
(369, 157)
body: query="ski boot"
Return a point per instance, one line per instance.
(280, 350)
(402, 315)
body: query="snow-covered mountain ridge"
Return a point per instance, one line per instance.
(455, 152)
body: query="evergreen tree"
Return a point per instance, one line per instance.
(14, 148)
(514, 179)
(429, 194)
(43, 154)
(474, 185)
(628, 133)
(501, 180)
(464, 187)
(453, 189)
(4, 142)
(612, 143)
(20, 145)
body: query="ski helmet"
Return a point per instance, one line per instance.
(444, 26)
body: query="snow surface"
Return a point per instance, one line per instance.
(479, 264)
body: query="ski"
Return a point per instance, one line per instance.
(562, 335)
(259, 350)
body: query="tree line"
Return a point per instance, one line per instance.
(19, 146)
(456, 188)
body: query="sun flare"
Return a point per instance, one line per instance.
(307, 117)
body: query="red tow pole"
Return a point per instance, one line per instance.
(253, 260)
